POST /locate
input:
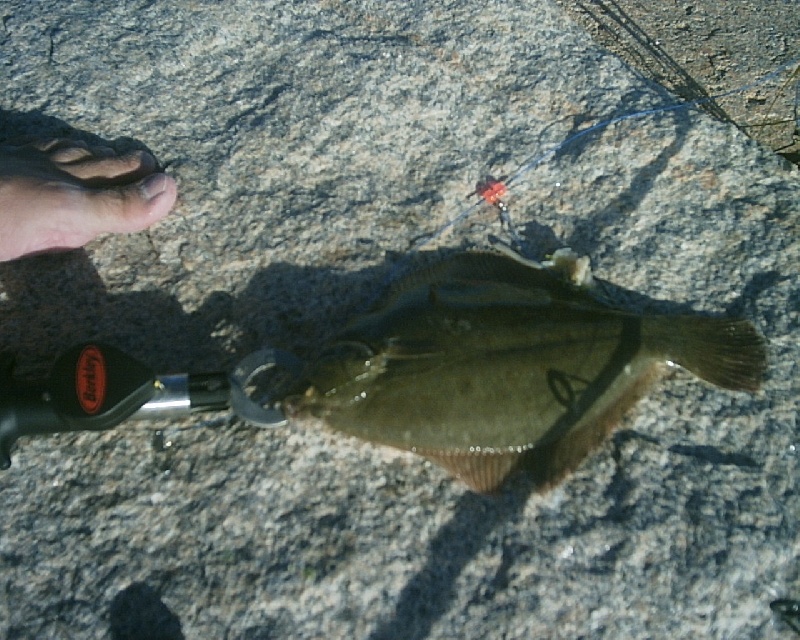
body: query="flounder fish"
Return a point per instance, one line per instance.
(483, 361)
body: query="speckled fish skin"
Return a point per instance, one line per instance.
(481, 358)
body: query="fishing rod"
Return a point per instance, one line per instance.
(96, 387)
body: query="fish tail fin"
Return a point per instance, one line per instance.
(726, 352)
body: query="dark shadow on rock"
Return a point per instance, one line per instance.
(628, 200)
(25, 126)
(629, 197)
(55, 301)
(756, 287)
(59, 300)
(715, 456)
(138, 613)
(428, 594)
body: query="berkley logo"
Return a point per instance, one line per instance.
(90, 379)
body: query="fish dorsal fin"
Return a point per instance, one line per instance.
(502, 274)
(482, 472)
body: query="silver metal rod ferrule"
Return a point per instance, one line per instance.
(170, 400)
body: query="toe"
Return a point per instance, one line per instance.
(67, 155)
(63, 198)
(65, 218)
(112, 170)
(135, 207)
(157, 194)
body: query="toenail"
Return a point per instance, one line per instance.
(153, 186)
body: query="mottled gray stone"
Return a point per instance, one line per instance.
(313, 144)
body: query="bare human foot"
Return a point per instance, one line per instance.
(61, 194)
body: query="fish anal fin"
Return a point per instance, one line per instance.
(483, 472)
(548, 464)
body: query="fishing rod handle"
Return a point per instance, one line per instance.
(94, 387)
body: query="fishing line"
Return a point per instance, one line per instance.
(495, 186)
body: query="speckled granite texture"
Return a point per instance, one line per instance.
(314, 143)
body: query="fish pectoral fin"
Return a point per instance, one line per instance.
(482, 472)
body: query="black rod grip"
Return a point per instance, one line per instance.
(25, 411)
(92, 387)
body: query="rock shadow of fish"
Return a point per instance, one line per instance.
(485, 364)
